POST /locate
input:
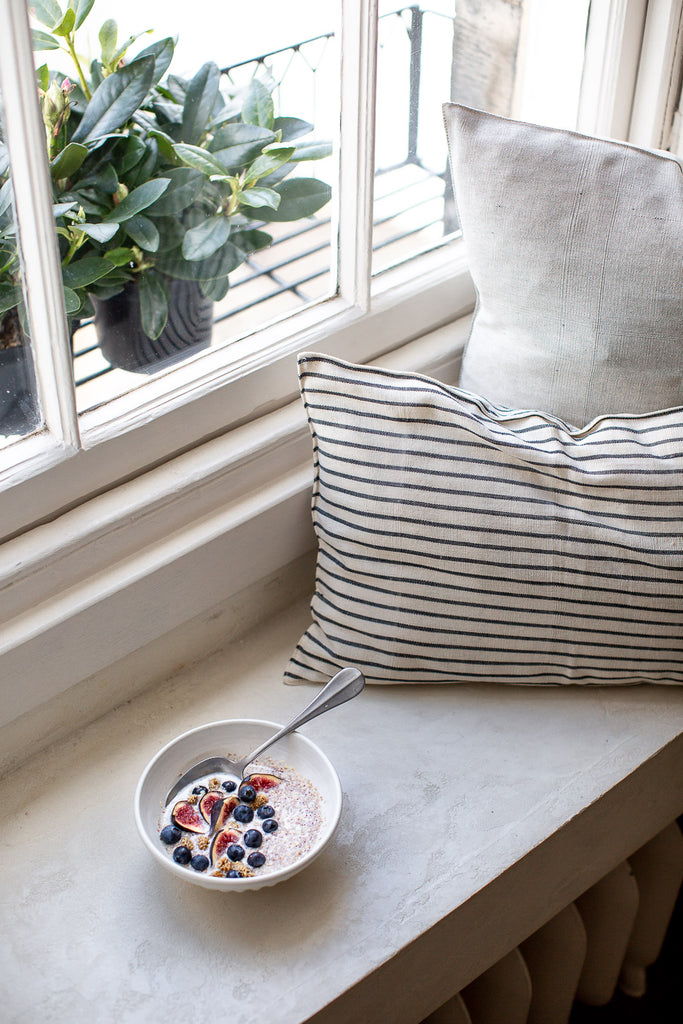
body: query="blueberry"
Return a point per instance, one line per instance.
(233, 874)
(199, 791)
(270, 825)
(181, 855)
(253, 837)
(170, 835)
(266, 811)
(256, 859)
(247, 793)
(235, 852)
(229, 785)
(200, 862)
(243, 813)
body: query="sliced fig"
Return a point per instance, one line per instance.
(263, 781)
(222, 811)
(187, 817)
(221, 842)
(207, 803)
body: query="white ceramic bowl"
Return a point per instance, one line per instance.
(238, 736)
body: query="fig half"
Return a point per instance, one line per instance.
(221, 842)
(208, 802)
(187, 817)
(263, 781)
(222, 811)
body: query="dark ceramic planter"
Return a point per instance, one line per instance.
(18, 403)
(125, 345)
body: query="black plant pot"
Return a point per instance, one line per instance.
(125, 345)
(18, 403)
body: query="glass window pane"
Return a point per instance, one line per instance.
(19, 412)
(211, 197)
(477, 52)
(413, 200)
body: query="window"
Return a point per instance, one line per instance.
(314, 282)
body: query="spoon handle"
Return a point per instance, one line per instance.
(344, 685)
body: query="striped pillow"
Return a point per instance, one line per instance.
(461, 541)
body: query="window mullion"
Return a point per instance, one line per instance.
(659, 75)
(357, 150)
(613, 44)
(33, 210)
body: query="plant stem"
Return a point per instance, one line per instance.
(77, 63)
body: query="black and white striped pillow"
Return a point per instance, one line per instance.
(460, 541)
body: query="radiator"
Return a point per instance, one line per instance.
(606, 939)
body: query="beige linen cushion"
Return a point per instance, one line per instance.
(462, 542)
(575, 245)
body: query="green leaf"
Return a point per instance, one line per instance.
(259, 197)
(144, 232)
(115, 100)
(134, 151)
(96, 75)
(81, 273)
(66, 163)
(139, 199)
(216, 290)
(48, 12)
(109, 33)
(268, 162)
(300, 197)
(162, 51)
(104, 179)
(72, 302)
(66, 25)
(213, 268)
(165, 144)
(198, 158)
(291, 127)
(99, 232)
(257, 107)
(43, 77)
(6, 195)
(153, 304)
(120, 257)
(312, 151)
(123, 49)
(82, 9)
(10, 296)
(186, 183)
(42, 41)
(206, 238)
(59, 209)
(238, 144)
(200, 99)
(250, 241)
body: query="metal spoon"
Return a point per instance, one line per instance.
(347, 683)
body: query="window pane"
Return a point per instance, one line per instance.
(413, 199)
(212, 198)
(19, 413)
(478, 52)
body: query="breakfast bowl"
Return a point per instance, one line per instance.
(294, 754)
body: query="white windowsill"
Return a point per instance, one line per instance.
(114, 594)
(471, 815)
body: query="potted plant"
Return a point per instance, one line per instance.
(161, 185)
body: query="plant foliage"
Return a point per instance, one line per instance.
(154, 176)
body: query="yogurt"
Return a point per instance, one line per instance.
(265, 823)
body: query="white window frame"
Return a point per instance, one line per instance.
(200, 485)
(214, 391)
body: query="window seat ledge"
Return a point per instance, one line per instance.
(471, 815)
